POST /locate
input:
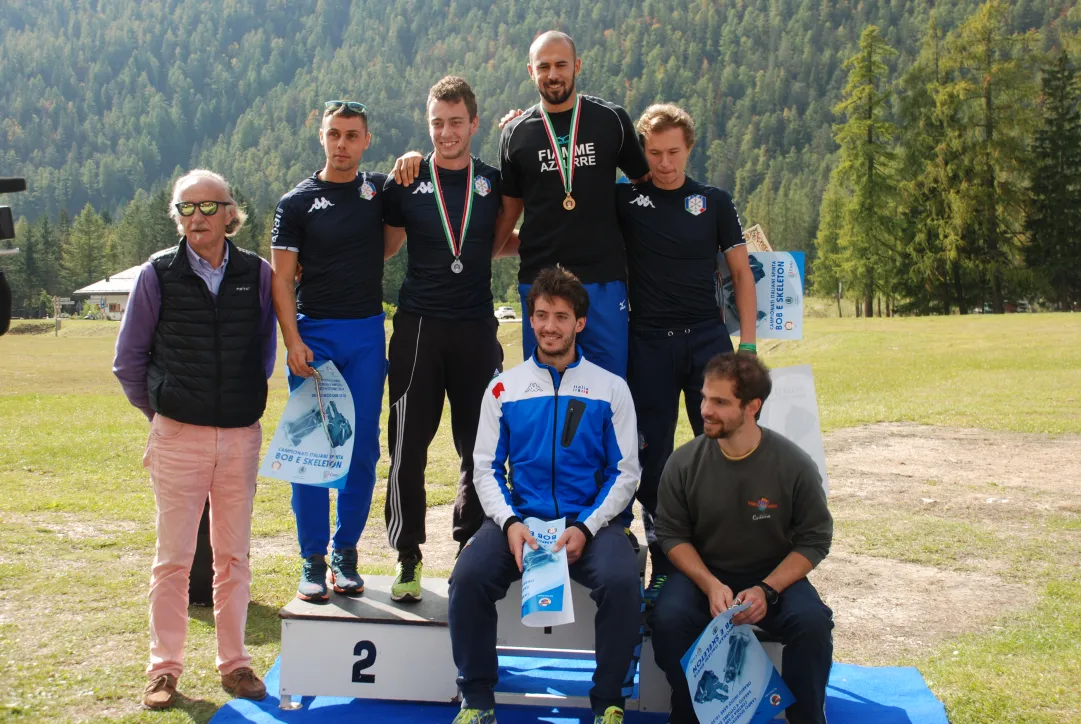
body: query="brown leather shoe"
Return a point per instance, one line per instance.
(243, 683)
(160, 692)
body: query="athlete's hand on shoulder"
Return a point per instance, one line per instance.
(407, 168)
(511, 115)
(757, 598)
(517, 536)
(575, 540)
(300, 359)
(720, 598)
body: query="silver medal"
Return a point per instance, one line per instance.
(457, 267)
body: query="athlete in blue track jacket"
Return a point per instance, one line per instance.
(570, 442)
(557, 439)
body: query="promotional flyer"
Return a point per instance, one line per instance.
(313, 443)
(546, 579)
(778, 283)
(731, 679)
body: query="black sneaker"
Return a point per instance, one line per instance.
(313, 580)
(343, 572)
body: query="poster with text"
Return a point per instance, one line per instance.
(313, 444)
(778, 284)
(546, 578)
(730, 677)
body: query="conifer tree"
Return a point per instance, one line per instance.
(84, 256)
(1054, 219)
(866, 170)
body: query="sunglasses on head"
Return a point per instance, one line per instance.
(351, 105)
(209, 208)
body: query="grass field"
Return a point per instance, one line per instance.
(77, 534)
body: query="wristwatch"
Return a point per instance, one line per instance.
(771, 595)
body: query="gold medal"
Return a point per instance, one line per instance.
(566, 169)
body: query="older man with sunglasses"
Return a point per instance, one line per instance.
(194, 352)
(331, 224)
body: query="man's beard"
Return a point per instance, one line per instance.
(557, 96)
(720, 431)
(568, 344)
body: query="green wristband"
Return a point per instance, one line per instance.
(748, 347)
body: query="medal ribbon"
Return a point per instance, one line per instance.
(444, 218)
(567, 174)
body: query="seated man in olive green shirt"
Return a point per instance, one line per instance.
(742, 515)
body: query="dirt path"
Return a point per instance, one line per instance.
(886, 608)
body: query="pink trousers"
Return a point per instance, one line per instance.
(187, 463)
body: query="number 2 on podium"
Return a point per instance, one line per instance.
(366, 650)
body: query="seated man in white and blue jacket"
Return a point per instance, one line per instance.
(557, 439)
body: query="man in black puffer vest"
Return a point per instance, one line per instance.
(194, 352)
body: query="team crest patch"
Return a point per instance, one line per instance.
(367, 191)
(482, 186)
(695, 204)
(762, 504)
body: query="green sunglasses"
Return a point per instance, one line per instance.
(351, 105)
(209, 208)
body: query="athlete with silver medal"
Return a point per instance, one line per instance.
(444, 342)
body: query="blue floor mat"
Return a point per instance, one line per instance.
(856, 695)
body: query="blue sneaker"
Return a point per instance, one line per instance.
(313, 580)
(475, 716)
(343, 572)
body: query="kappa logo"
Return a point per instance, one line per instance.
(695, 204)
(424, 187)
(623, 305)
(482, 186)
(319, 204)
(533, 387)
(643, 201)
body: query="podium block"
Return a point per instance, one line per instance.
(368, 647)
